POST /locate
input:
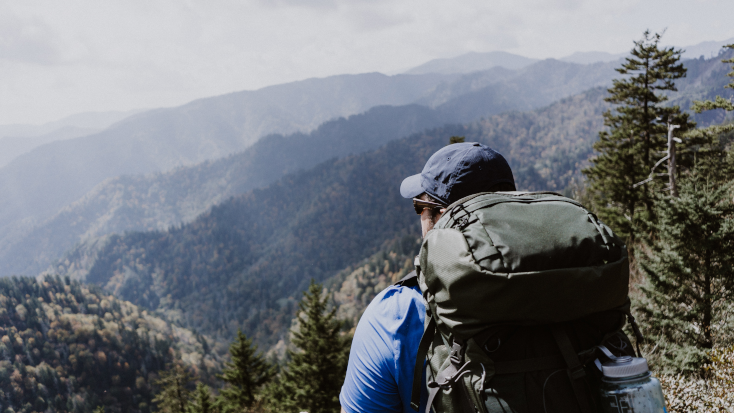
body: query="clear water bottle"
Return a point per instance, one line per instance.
(628, 387)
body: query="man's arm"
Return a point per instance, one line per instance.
(382, 358)
(371, 381)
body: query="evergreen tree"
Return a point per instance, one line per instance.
(247, 373)
(312, 379)
(690, 272)
(636, 133)
(202, 402)
(173, 396)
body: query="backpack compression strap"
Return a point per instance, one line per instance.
(575, 369)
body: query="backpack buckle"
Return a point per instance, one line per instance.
(457, 352)
(461, 222)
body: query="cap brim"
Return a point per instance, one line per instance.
(411, 186)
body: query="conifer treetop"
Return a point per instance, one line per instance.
(636, 131)
(244, 376)
(312, 379)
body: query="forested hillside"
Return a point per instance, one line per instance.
(706, 78)
(241, 263)
(155, 202)
(41, 182)
(136, 203)
(68, 347)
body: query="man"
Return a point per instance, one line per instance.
(383, 355)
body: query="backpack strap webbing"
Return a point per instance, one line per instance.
(410, 280)
(639, 338)
(575, 369)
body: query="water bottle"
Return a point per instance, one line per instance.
(628, 387)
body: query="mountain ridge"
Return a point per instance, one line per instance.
(480, 61)
(472, 62)
(42, 181)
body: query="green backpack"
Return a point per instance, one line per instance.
(521, 289)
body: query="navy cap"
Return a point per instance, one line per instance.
(458, 170)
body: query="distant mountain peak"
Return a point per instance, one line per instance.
(473, 62)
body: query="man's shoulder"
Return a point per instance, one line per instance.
(396, 302)
(410, 280)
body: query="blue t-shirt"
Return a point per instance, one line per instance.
(381, 361)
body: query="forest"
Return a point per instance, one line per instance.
(69, 347)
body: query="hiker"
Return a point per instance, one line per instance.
(515, 299)
(383, 354)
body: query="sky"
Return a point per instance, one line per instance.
(59, 58)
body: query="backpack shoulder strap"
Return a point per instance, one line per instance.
(428, 333)
(410, 280)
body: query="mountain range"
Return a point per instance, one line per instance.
(41, 182)
(161, 140)
(157, 201)
(474, 62)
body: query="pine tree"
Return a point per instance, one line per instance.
(245, 375)
(173, 396)
(312, 379)
(636, 133)
(456, 139)
(690, 272)
(202, 402)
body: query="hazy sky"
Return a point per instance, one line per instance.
(63, 57)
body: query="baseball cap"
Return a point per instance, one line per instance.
(458, 170)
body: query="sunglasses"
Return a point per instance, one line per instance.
(420, 205)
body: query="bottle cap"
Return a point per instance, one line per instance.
(630, 366)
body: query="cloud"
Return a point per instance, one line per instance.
(27, 40)
(372, 19)
(58, 58)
